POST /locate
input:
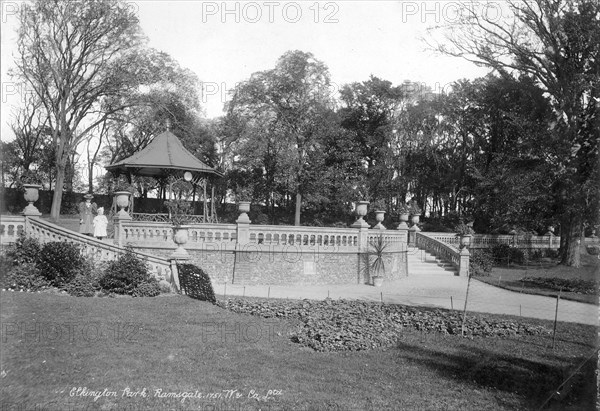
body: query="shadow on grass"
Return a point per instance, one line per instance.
(533, 379)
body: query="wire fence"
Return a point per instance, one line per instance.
(435, 291)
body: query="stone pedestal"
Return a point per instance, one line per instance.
(412, 235)
(463, 267)
(119, 233)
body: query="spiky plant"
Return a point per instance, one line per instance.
(377, 249)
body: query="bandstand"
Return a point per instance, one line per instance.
(168, 161)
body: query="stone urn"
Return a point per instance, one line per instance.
(244, 209)
(465, 240)
(377, 280)
(379, 216)
(32, 194)
(122, 200)
(415, 219)
(180, 237)
(361, 211)
(403, 217)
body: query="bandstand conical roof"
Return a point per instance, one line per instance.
(164, 156)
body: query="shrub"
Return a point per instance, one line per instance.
(26, 276)
(536, 255)
(574, 285)
(504, 254)
(125, 274)
(86, 281)
(195, 282)
(500, 252)
(6, 264)
(60, 262)
(149, 288)
(95, 271)
(593, 249)
(81, 286)
(261, 218)
(164, 286)
(25, 250)
(481, 262)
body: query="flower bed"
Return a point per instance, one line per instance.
(343, 325)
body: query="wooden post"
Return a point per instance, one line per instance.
(213, 218)
(464, 319)
(555, 319)
(205, 210)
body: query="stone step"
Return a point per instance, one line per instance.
(423, 263)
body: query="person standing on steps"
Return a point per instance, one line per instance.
(87, 210)
(100, 223)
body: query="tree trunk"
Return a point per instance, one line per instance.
(68, 175)
(91, 178)
(58, 190)
(571, 256)
(298, 207)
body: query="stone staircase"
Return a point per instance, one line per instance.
(243, 268)
(422, 263)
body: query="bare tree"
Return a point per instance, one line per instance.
(29, 127)
(74, 55)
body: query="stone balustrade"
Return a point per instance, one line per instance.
(490, 240)
(156, 234)
(11, 227)
(304, 236)
(160, 234)
(96, 249)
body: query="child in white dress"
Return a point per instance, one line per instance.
(100, 224)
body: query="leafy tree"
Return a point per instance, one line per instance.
(369, 110)
(289, 103)
(557, 43)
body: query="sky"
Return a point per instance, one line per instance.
(225, 42)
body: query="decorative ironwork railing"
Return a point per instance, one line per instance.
(164, 218)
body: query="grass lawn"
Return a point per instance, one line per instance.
(53, 344)
(510, 278)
